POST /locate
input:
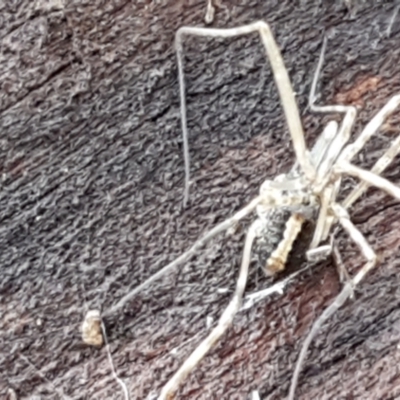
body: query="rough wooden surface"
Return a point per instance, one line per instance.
(91, 198)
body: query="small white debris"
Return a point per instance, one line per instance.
(11, 394)
(91, 328)
(253, 298)
(279, 287)
(210, 13)
(255, 395)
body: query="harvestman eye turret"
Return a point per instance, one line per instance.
(308, 191)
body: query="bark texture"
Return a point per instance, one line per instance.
(91, 197)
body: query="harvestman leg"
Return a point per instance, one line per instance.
(335, 146)
(281, 78)
(228, 315)
(332, 149)
(223, 226)
(224, 322)
(368, 178)
(324, 154)
(331, 137)
(384, 161)
(354, 148)
(343, 217)
(341, 214)
(371, 128)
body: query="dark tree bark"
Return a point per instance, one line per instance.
(91, 198)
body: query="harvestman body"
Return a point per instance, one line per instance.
(310, 187)
(308, 191)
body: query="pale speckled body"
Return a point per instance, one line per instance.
(280, 226)
(270, 234)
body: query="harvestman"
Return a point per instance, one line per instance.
(310, 188)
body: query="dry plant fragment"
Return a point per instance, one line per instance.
(210, 12)
(11, 394)
(91, 329)
(94, 334)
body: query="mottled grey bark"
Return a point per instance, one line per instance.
(91, 198)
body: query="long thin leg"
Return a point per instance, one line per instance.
(323, 143)
(327, 149)
(343, 217)
(352, 149)
(281, 79)
(224, 322)
(330, 217)
(185, 256)
(372, 127)
(368, 178)
(344, 167)
(335, 146)
(326, 199)
(318, 154)
(312, 96)
(346, 292)
(344, 276)
(382, 163)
